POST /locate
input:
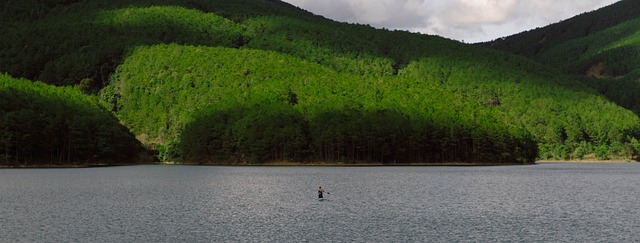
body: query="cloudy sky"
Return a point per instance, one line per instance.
(465, 20)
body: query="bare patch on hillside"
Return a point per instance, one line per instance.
(596, 70)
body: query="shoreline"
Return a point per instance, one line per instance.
(312, 164)
(586, 161)
(343, 164)
(70, 166)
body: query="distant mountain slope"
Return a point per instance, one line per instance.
(603, 46)
(254, 81)
(538, 41)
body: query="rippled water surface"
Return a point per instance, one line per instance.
(545, 202)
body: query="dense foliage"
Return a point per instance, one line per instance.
(603, 46)
(45, 125)
(221, 104)
(254, 81)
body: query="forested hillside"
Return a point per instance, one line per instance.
(602, 46)
(223, 104)
(221, 81)
(45, 125)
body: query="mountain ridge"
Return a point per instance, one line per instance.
(575, 27)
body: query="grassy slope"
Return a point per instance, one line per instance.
(347, 67)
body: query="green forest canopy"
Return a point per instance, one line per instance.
(46, 125)
(254, 81)
(602, 47)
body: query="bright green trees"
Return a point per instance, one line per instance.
(228, 105)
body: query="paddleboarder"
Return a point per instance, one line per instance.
(320, 192)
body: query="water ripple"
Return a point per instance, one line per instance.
(540, 203)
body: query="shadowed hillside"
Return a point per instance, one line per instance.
(214, 81)
(41, 125)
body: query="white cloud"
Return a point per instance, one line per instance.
(469, 20)
(479, 11)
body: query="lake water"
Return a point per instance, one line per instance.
(548, 202)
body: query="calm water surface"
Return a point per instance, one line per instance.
(539, 203)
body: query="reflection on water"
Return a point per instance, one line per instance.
(546, 202)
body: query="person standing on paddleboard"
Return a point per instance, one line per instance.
(320, 192)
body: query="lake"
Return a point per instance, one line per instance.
(548, 202)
